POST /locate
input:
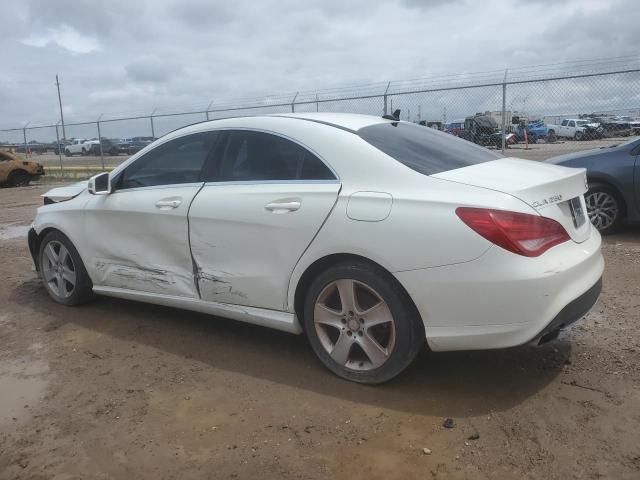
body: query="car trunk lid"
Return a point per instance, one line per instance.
(553, 191)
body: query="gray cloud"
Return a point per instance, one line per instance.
(151, 70)
(172, 53)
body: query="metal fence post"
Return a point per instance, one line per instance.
(293, 103)
(100, 141)
(504, 110)
(59, 149)
(384, 110)
(317, 104)
(153, 132)
(24, 137)
(206, 113)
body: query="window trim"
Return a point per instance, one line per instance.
(337, 178)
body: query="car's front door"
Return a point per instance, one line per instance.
(139, 236)
(265, 199)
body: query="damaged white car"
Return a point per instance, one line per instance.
(371, 236)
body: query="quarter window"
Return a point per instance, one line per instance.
(177, 161)
(259, 156)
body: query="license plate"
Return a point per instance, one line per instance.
(577, 212)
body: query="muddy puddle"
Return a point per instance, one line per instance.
(9, 231)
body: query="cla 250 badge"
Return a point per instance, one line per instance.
(547, 201)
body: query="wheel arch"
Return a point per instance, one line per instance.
(35, 241)
(18, 170)
(321, 264)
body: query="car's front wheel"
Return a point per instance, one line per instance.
(62, 271)
(361, 324)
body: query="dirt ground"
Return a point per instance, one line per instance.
(120, 390)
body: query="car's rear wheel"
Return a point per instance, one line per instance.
(579, 135)
(67, 153)
(19, 178)
(604, 208)
(361, 324)
(551, 136)
(63, 273)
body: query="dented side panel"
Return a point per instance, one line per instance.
(247, 238)
(140, 243)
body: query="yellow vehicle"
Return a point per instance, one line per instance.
(16, 171)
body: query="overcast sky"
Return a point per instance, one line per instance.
(134, 55)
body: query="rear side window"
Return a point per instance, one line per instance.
(423, 149)
(259, 156)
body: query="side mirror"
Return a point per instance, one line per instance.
(100, 184)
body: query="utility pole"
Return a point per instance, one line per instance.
(64, 134)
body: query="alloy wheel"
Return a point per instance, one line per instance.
(602, 208)
(58, 270)
(354, 325)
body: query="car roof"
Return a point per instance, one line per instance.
(348, 121)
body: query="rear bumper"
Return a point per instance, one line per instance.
(502, 300)
(574, 311)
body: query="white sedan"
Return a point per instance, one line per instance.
(371, 236)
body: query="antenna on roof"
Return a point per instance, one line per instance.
(395, 116)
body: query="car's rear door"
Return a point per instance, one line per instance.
(265, 199)
(139, 236)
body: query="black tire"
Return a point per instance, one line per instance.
(409, 330)
(82, 291)
(19, 178)
(67, 153)
(551, 136)
(83, 152)
(614, 195)
(578, 135)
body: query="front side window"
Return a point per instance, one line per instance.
(572, 123)
(258, 156)
(564, 123)
(424, 150)
(178, 161)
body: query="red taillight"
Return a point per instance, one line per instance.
(521, 233)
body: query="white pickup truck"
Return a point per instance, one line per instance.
(575, 128)
(79, 146)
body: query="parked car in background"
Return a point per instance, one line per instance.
(111, 147)
(79, 146)
(536, 130)
(135, 144)
(16, 171)
(612, 125)
(576, 128)
(613, 174)
(483, 130)
(370, 236)
(455, 127)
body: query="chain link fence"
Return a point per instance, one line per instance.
(534, 113)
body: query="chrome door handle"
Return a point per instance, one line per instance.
(168, 204)
(282, 207)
